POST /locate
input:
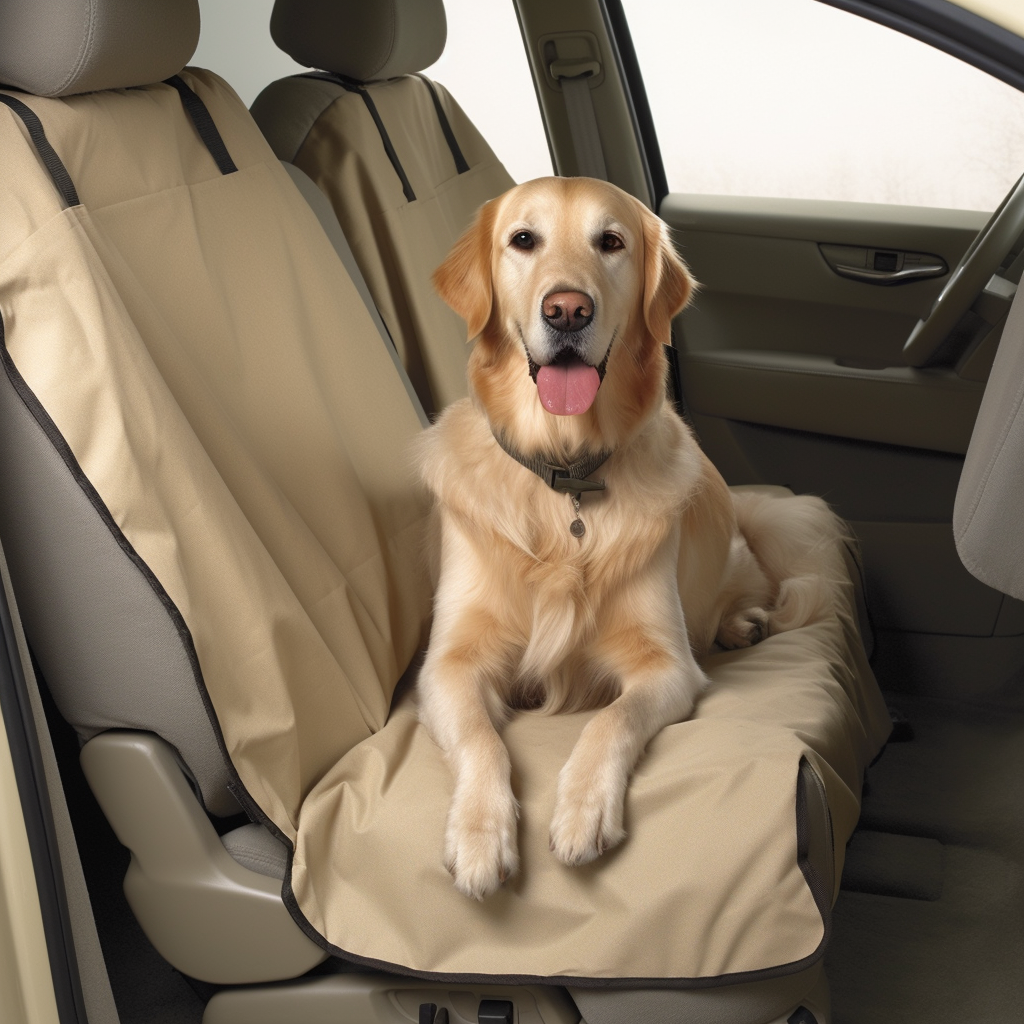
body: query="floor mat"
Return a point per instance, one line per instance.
(951, 948)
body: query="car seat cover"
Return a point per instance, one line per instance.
(191, 338)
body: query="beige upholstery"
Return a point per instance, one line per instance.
(398, 236)
(65, 47)
(246, 442)
(263, 463)
(989, 504)
(360, 40)
(708, 883)
(328, 132)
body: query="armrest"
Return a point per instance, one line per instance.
(931, 408)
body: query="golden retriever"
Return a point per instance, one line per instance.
(562, 599)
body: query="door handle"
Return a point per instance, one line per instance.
(913, 273)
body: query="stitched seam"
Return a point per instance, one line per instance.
(83, 53)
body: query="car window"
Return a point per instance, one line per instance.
(793, 98)
(234, 42)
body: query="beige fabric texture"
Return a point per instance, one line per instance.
(399, 244)
(196, 342)
(707, 882)
(232, 428)
(990, 498)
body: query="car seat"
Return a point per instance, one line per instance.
(402, 165)
(215, 545)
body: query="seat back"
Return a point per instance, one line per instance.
(990, 496)
(207, 495)
(403, 166)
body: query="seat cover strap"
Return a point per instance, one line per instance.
(53, 163)
(204, 125)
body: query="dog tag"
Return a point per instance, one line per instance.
(576, 527)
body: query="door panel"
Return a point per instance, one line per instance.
(793, 374)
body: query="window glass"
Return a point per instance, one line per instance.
(793, 98)
(234, 41)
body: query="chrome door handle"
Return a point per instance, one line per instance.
(912, 273)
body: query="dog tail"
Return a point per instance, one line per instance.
(797, 540)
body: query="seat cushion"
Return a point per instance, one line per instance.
(712, 884)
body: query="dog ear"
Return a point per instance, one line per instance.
(464, 279)
(667, 281)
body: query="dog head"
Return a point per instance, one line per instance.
(570, 285)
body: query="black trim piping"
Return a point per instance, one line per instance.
(20, 727)
(446, 129)
(816, 885)
(204, 125)
(53, 163)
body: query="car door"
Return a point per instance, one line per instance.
(829, 173)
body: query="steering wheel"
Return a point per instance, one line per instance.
(979, 263)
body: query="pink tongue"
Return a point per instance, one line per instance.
(567, 389)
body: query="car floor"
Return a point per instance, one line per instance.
(928, 927)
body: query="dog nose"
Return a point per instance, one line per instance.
(568, 311)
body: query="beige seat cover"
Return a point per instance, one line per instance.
(242, 429)
(397, 243)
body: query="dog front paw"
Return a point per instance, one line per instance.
(480, 845)
(587, 819)
(744, 629)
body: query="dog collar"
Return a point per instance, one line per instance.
(569, 479)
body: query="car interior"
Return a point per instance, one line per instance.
(220, 340)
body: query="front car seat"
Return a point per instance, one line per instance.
(215, 543)
(403, 166)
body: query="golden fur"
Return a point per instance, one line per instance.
(528, 615)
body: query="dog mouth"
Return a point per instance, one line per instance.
(568, 385)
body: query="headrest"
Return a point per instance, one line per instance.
(358, 39)
(63, 47)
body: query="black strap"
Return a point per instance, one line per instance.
(53, 163)
(446, 129)
(351, 86)
(204, 125)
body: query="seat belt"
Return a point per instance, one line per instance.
(573, 76)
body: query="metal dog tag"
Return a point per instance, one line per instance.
(576, 527)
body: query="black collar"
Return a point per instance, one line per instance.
(565, 479)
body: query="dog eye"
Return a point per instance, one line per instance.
(611, 242)
(522, 240)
